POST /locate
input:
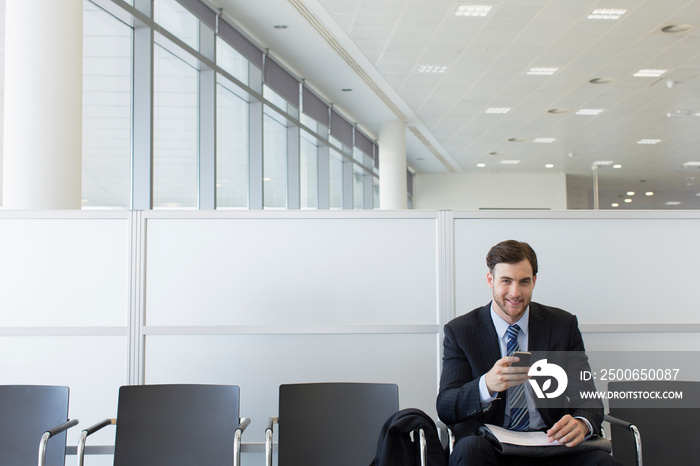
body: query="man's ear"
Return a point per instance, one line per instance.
(534, 280)
(489, 279)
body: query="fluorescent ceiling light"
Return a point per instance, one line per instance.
(542, 71)
(673, 203)
(589, 111)
(472, 10)
(602, 163)
(628, 200)
(510, 162)
(649, 73)
(691, 164)
(630, 193)
(432, 68)
(649, 193)
(617, 166)
(544, 140)
(649, 141)
(498, 110)
(615, 204)
(549, 165)
(481, 165)
(607, 13)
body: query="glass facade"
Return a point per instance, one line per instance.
(176, 115)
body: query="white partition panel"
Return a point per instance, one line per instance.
(94, 367)
(292, 270)
(635, 268)
(64, 271)
(260, 363)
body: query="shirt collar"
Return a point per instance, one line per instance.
(502, 326)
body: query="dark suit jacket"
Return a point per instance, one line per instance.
(471, 349)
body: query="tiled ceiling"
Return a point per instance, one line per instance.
(487, 60)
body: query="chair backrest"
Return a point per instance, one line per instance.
(26, 412)
(337, 424)
(176, 425)
(668, 434)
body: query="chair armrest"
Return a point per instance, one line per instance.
(442, 427)
(268, 439)
(89, 431)
(52, 433)
(632, 428)
(243, 423)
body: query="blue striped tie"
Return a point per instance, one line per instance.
(519, 417)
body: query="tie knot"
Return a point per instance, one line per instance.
(513, 331)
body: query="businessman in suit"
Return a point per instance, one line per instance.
(479, 385)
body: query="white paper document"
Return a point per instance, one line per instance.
(520, 438)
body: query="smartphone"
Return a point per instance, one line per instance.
(524, 359)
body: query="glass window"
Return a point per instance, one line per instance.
(308, 171)
(175, 131)
(231, 61)
(358, 188)
(176, 19)
(336, 180)
(106, 168)
(274, 160)
(375, 180)
(231, 149)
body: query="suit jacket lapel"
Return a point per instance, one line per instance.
(540, 329)
(487, 335)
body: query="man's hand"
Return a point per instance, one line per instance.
(503, 375)
(568, 431)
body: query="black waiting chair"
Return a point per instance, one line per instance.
(175, 425)
(30, 416)
(337, 424)
(670, 427)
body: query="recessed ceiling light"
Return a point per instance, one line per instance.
(649, 73)
(607, 13)
(649, 193)
(267, 179)
(432, 68)
(549, 165)
(510, 162)
(615, 204)
(544, 140)
(557, 111)
(498, 110)
(346, 90)
(481, 165)
(542, 71)
(602, 163)
(691, 164)
(617, 165)
(676, 28)
(673, 203)
(628, 200)
(517, 140)
(472, 10)
(604, 80)
(649, 141)
(589, 111)
(630, 193)
(496, 153)
(280, 26)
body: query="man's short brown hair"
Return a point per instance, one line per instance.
(511, 252)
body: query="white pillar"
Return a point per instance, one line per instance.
(43, 104)
(392, 165)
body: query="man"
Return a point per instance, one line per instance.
(479, 384)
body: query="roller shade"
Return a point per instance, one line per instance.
(314, 107)
(341, 129)
(282, 82)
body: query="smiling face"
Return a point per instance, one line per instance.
(512, 286)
